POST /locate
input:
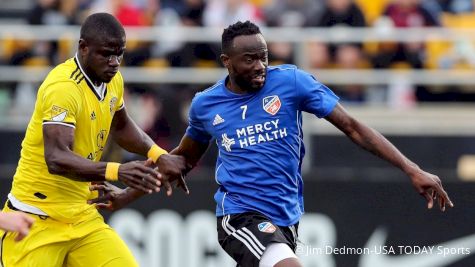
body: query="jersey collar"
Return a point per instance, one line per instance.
(100, 91)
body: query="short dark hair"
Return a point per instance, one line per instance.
(237, 29)
(101, 25)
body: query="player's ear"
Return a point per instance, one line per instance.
(225, 60)
(82, 46)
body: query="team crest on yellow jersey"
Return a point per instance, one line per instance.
(112, 103)
(58, 113)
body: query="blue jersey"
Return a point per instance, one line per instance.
(260, 141)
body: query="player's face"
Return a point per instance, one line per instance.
(102, 58)
(247, 63)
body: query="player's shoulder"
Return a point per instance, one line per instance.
(67, 71)
(282, 68)
(64, 77)
(211, 91)
(284, 71)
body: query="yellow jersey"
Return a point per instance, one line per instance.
(66, 97)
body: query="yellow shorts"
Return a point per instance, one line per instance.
(51, 243)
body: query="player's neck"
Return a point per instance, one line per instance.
(234, 88)
(85, 70)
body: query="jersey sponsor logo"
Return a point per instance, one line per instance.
(271, 104)
(266, 227)
(227, 142)
(260, 133)
(58, 113)
(217, 120)
(112, 104)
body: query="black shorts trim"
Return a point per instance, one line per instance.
(245, 236)
(10, 206)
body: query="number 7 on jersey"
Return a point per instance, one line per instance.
(244, 109)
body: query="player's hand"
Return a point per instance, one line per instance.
(140, 175)
(17, 222)
(430, 187)
(110, 197)
(172, 167)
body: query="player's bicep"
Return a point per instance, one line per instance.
(119, 121)
(60, 106)
(341, 119)
(57, 140)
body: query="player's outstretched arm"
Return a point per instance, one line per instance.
(17, 222)
(113, 198)
(426, 184)
(62, 160)
(191, 151)
(128, 135)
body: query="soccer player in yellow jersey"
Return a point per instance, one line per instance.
(78, 105)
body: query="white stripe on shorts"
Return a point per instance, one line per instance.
(245, 236)
(251, 249)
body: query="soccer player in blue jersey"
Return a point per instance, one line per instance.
(255, 116)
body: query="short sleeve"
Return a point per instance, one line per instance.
(314, 97)
(61, 104)
(196, 129)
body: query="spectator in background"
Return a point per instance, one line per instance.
(128, 12)
(318, 55)
(293, 13)
(341, 13)
(349, 56)
(45, 12)
(439, 8)
(455, 6)
(289, 13)
(404, 14)
(198, 54)
(345, 13)
(221, 13)
(192, 14)
(39, 53)
(281, 53)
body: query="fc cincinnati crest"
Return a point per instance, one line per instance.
(271, 104)
(266, 227)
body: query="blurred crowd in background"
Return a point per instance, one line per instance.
(271, 13)
(153, 106)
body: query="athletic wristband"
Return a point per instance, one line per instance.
(155, 152)
(112, 171)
